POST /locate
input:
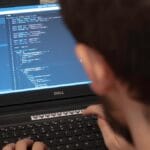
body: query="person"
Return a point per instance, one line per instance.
(113, 41)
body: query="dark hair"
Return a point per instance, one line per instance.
(120, 31)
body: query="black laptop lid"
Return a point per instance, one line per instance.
(37, 59)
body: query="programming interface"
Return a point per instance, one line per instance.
(37, 51)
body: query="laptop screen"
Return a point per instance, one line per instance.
(37, 50)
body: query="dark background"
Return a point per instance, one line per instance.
(8, 3)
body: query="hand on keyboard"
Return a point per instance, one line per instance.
(64, 133)
(112, 140)
(26, 144)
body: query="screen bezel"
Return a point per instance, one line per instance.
(45, 95)
(40, 95)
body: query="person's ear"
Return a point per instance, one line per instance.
(97, 69)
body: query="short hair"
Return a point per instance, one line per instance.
(120, 31)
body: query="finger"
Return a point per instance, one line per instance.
(112, 139)
(123, 144)
(24, 144)
(9, 147)
(94, 110)
(39, 146)
(107, 132)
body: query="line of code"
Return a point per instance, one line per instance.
(28, 31)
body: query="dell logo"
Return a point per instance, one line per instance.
(57, 93)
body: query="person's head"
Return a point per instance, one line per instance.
(113, 43)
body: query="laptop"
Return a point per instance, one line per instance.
(43, 87)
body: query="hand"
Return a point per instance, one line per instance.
(112, 140)
(26, 144)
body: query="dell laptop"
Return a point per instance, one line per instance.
(43, 87)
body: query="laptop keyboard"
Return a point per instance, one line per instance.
(72, 132)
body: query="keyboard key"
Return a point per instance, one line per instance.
(68, 133)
